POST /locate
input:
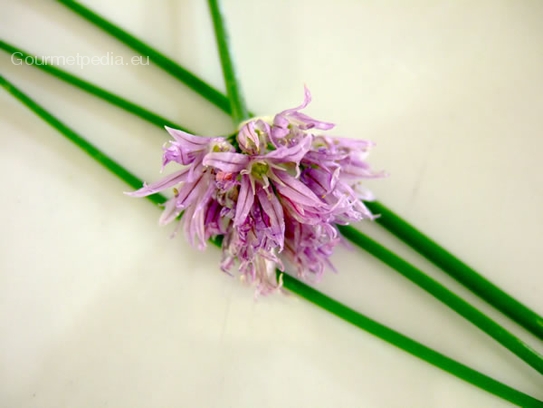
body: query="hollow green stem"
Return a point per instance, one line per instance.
(295, 286)
(167, 64)
(80, 141)
(444, 295)
(405, 343)
(233, 86)
(93, 89)
(451, 265)
(464, 274)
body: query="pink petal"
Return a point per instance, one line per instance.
(307, 100)
(246, 199)
(188, 141)
(170, 212)
(295, 190)
(226, 161)
(168, 181)
(291, 154)
(276, 220)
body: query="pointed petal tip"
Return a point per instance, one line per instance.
(307, 94)
(136, 194)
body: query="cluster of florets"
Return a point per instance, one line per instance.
(275, 193)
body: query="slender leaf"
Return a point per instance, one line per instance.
(167, 64)
(233, 86)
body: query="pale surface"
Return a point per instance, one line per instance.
(99, 308)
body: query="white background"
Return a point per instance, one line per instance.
(99, 308)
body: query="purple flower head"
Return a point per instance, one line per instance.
(276, 198)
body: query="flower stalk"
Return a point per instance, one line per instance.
(440, 292)
(162, 61)
(295, 286)
(93, 89)
(238, 108)
(453, 266)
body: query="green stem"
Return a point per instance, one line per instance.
(482, 287)
(295, 286)
(441, 293)
(92, 89)
(233, 86)
(167, 64)
(444, 295)
(457, 269)
(80, 141)
(405, 343)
